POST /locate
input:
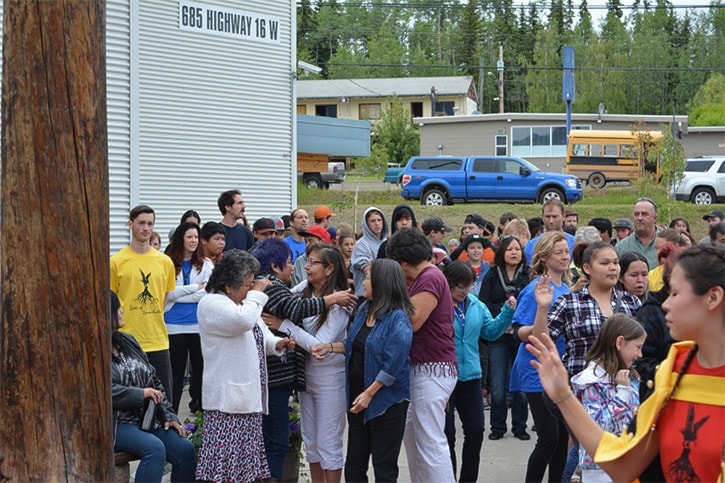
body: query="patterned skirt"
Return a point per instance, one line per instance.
(232, 448)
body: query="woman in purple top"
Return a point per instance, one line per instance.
(433, 364)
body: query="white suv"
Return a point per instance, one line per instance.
(703, 181)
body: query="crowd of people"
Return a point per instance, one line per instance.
(388, 333)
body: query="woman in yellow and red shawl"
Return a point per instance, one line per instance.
(684, 420)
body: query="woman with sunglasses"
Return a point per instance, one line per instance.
(472, 322)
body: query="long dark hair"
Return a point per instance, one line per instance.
(115, 304)
(389, 289)
(337, 280)
(175, 249)
(499, 259)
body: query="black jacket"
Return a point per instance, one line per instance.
(658, 341)
(130, 398)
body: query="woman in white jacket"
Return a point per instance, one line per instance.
(323, 405)
(182, 325)
(235, 342)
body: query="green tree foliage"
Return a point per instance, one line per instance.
(708, 106)
(394, 136)
(648, 59)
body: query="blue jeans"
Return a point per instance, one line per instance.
(155, 448)
(501, 357)
(468, 401)
(275, 427)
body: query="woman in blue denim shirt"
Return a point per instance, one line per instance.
(377, 362)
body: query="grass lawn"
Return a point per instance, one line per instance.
(610, 202)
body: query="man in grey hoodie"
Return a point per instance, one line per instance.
(375, 231)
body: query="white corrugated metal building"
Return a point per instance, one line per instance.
(200, 100)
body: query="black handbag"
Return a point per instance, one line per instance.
(149, 415)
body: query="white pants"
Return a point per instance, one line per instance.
(322, 414)
(426, 446)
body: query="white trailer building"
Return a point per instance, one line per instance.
(200, 100)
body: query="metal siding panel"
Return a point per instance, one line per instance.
(214, 114)
(118, 74)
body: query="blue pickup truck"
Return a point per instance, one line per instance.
(442, 180)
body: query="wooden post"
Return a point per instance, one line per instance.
(55, 405)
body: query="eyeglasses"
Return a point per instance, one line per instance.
(314, 262)
(464, 289)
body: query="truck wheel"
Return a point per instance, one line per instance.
(434, 197)
(703, 196)
(550, 193)
(313, 181)
(596, 181)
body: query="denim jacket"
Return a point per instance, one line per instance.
(387, 359)
(479, 324)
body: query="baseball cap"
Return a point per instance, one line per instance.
(263, 225)
(318, 231)
(323, 211)
(623, 223)
(714, 214)
(570, 212)
(278, 223)
(476, 219)
(435, 223)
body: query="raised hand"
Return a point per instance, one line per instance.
(544, 292)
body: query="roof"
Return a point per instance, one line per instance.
(387, 87)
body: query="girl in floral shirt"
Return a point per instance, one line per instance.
(609, 387)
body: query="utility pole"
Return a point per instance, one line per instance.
(499, 66)
(480, 84)
(55, 356)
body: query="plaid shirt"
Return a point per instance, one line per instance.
(578, 318)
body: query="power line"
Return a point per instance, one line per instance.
(493, 67)
(455, 6)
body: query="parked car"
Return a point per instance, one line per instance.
(335, 174)
(703, 181)
(442, 180)
(394, 174)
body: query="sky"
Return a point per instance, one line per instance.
(598, 7)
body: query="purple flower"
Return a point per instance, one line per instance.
(294, 428)
(190, 427)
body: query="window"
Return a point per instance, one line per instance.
(510, 166)
(700, 166)
(369, 111)
(442, 164)
(326, 110)
(416, 109)
(540, 141)
(501, 145)
(610, 150)
(484, 165)
(444, 108)
(521, 141)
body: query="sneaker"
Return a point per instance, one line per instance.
(523, 436)
(495, 436)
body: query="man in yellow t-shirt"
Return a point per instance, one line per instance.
(141, 276)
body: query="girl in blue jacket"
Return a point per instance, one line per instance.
(472, 322)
